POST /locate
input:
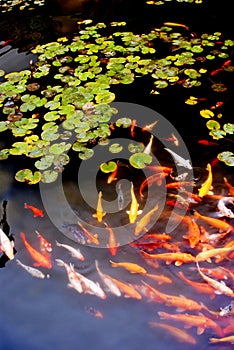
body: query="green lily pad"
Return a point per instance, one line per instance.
(136, 148)
(51, 116)
(115, 148)
(86, 154)
(105, 97)
(26, 175)
(213, 125)
(58, 148)
(4, 153)
(217, 134)
(45, 162)
(226, 157)
(49, 176)
(139, 160)
(49, 135)
(3, 126)
(229, 128)
(124, 122)
(108, 167)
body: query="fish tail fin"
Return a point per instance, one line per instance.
(22, 235)
(162, 315)
(57, 243)
(96, 264)
(114, 264)
(59, 262)
(18, 261)
(37, 233)
(26, 205)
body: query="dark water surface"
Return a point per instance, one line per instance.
(45, 314)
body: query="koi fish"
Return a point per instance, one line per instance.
(227, 310)
(36, 211)
(149, 126)
(88, 286)
(207, 143)
(6, 245)
(112, 245)
(200, 321)
(179, 160)
(99, 212)
(147, 149)
(159, 278)
(180, 177)
(132, 132)
(223, 255)
(218, 272)
(199, 287)
(44, 244)
(144, 221)
(220, 287)
(94, 312)
(150, 180)
(133, 212)
(159, 168)
(91, 238)
(229, 186)
(206, 186)
(74, 252)
(32, 270)
(120, 198)
(178, 333)
(191, 195)
(180, 302)
(112, 287)
(177, 257)
(193, 234)
(223, 210)
(72, 276)
(40, 259)
(179, 184)
(217, 105)
(173, 139)
(229, 339)
(131, 267)
(127, 289)
(207, 254)
(112, 177)
(221, 225)
(176, 25)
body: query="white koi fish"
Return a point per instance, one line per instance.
(179, 160)
(223, 210)
(32, 270)
(72, 276)
(6, 245)
(147, 149)
(76, 253)
(112, 287)
(120, 197)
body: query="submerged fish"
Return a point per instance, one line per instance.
(110, 284)
(179, 160)
(133, 212)
(6, 245)
(32, 270)
(36, 211)
(131, 267)
(179, 334)
(76, 253)
(99, 212)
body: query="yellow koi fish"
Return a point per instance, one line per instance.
(133, 212)
(144, 221)
(229, 339)
(206, 186)
(99, 212)
(131, 267)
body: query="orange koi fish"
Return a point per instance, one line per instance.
(229, 186)
(133, 212)
(149, 127)
(191, 195)
(132, 132)
(112, 177)
(159, 278)
(193, 234)
(144, 221)
(99, 212)
(91, 238)
(131, 267)
(229, 339)
(207, 254)
(179, 184)
(217, 273)
(112, 245)
(150, 180)
(178, 258)
(200, 321)
(112, 287)
(181, 303)
(158, 236)
(44, 244)
(36, 211)
(179, 334)
(159, 168)
(148, 147)
(220, 287)
(207, 143)
(176, 25)
(173, 139)
(223, 255)
(40, 259)
(127, 289)
(94, 312)
(199, 287)
(217, 223)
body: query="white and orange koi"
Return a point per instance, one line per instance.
(207, 254)
(44, 244)
(6, 245)
(112, 245)
(99, 211)
(200, 321)
(133, 212)
(206, 186)
(72, 276)
(112, 287)
(92, 238)
(144, 221)
(40, 259)
(76, 253)
(127, 289)
(149, 127)
(148, 147)
(223, 210)
(131, 267)
(32, 270)
(178, 333)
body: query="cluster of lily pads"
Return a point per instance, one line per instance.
(162, 2)
(9, 5)
(62, 101)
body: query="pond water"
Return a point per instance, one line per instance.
(46, 313)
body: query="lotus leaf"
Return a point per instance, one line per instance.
(226, 157)
(45, 162)
(229, 128)
(108, 167)
(49, 176)
(140, 159)
(115, 148)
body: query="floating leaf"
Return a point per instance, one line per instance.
(86, 154)
(58, 148)
(206, 113)
(219, 87)
(3, 126)
(139, 160)
(115, 148)
(26, 175)
(49, 176)
(136, 147)
(124, 122)
(108, 167)
(217, 134)
(45, 162)
(213, 125)
(105, 97)
(51, 116)
(226, 157)
(4, 154)
(229, 128)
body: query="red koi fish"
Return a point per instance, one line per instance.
(112, 245)
(207, 143)
(40, 259)
(229, 186)
(36, 211)
(200, 287)
(150, 180)
(159, 168)
(44, 244)
(179, 184)
(132, 132)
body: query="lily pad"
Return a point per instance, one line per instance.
(49, 176)
(213, 125)
(140, 159)
(26, 175)
(229, 128)
(206, 113)
(115, 148)
(108, 167)
(44, 162)
(226, 157)
(136, 148)
(124, 122)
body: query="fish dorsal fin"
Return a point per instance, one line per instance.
(200, 330)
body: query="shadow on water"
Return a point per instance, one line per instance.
(46, 314)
